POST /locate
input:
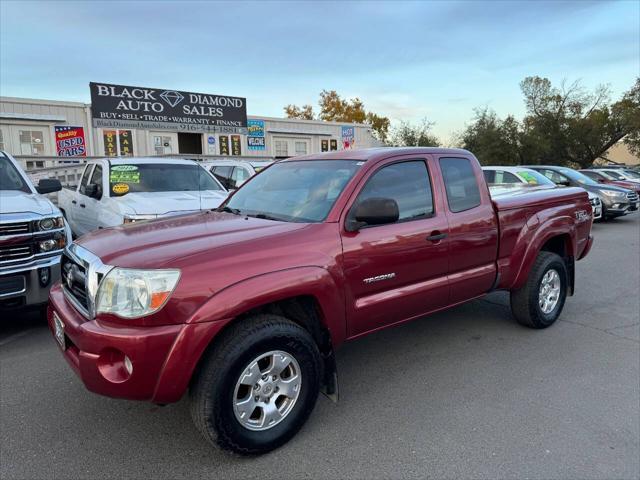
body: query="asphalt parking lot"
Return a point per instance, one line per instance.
(466, 393)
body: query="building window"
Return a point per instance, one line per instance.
(301, 148)
(31, 142)
(281, 148)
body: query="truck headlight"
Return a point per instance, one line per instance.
(614, 194)
(132, 293)
(58, 242)
(51, 223)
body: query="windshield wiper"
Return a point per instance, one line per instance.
(235, 211)
(265, 216)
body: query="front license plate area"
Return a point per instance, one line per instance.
(58, 327)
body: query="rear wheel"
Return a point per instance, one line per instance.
(539, 302)
(258, 386)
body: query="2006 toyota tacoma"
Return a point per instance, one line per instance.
(242, 307)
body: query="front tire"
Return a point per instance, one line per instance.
(257, 386)
(539, 302)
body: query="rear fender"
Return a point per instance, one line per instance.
(553, 227)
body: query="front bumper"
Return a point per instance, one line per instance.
(616, 209)
(34, 292)
(163, 357)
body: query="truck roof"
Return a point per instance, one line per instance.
(366, 154)
(140, 160)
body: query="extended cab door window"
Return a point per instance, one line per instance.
(460, 184)
(407, 183)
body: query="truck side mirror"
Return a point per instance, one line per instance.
(93, 190)
(48, 185)
(372, 211)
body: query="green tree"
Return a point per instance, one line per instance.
(564, 125)
(407, 134)
(569, 125)
(492, 140)
(334, 108)
(303, 113)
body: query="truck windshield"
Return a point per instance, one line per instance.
(294, 191)
(159, 177)
(10, 178)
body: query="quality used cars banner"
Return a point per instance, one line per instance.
(119, 106)
(70, 141)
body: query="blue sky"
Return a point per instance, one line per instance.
(406, 60)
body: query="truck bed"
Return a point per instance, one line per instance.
(527, 218)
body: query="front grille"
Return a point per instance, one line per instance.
(632, 196)
(16, 252)
(15, 228)
(74, 280)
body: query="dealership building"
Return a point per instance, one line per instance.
(143, 122)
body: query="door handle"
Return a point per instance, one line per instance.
(82, 205)
(74, 202)
(436, 236)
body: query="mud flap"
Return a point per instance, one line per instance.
(571, 267)
(329, 387)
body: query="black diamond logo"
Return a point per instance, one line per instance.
(172, 97)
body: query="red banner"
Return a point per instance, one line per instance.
(70, 141)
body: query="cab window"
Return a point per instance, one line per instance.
(85, 178)
(460, 184)
(96, 179)
(407, 183)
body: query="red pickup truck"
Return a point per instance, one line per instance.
(242, 307)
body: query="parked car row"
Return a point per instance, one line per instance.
(614, 192)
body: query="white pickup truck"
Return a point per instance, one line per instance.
(32, 237)
(125, 190)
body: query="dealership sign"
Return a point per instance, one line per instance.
(348, 137)
(118, 106)
(70, 141)
(255, 138)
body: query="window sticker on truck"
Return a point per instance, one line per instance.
(120, 188)
(124, 168)
(124, 177)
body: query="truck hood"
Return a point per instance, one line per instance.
(14, 201)
(186, 240)
(170, 203)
